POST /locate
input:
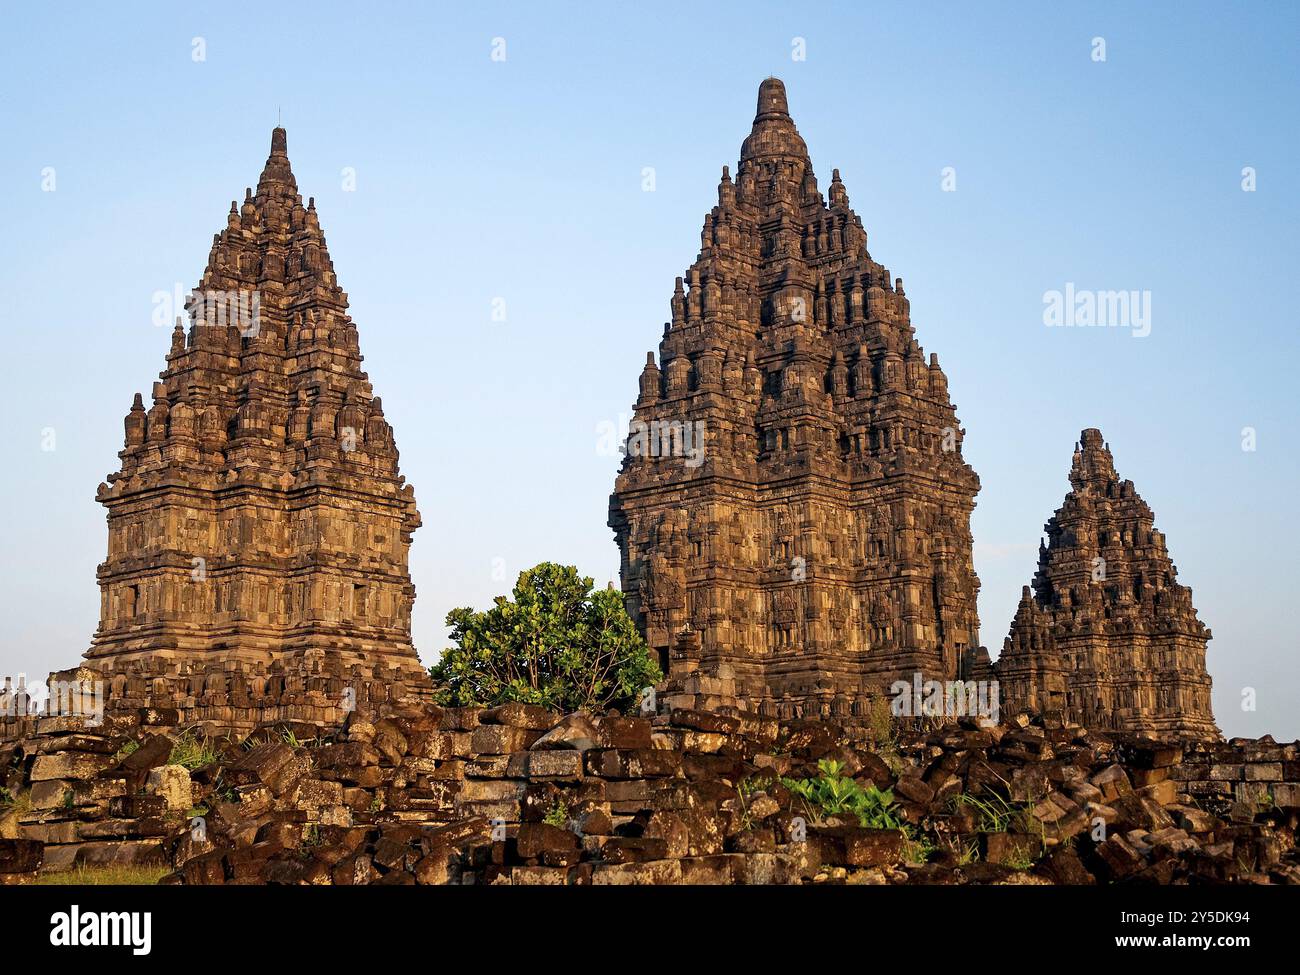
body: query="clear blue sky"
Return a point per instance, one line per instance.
(478, 179)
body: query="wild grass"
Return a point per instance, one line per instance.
(105, 876)
(918, 848)
(20, 803)
(193, 752)
(996, 814)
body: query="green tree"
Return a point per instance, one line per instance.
(555, 643)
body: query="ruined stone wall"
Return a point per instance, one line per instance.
(418, 794)
(320, 689)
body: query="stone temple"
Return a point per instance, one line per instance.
(258, 521)
(1107, 634)
(793, 512)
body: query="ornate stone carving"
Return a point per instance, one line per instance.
(258, 517)
(1107, 634)
(794, 489)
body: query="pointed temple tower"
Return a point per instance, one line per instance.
(259, 517)
(1108, 635)
(793, 512)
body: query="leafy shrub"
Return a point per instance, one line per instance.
(557, 815)
(834, 794)
(556, 643)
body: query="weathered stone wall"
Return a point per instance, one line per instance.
(420, 794)
(320, 688)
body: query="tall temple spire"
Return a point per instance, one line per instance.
(277, 175)
(1093, 464)
(771, 99)
(773, 140)
(817, 541)
(259, 514)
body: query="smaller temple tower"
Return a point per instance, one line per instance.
(1106, 632)
(259, 518)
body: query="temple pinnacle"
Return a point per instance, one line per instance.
(771, 99)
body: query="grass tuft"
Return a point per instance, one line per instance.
(105, 876)
(193, 752)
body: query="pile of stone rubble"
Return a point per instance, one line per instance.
(516, 794)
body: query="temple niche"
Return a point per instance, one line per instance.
(793, 511)
(1106, 634)
(258, 519)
